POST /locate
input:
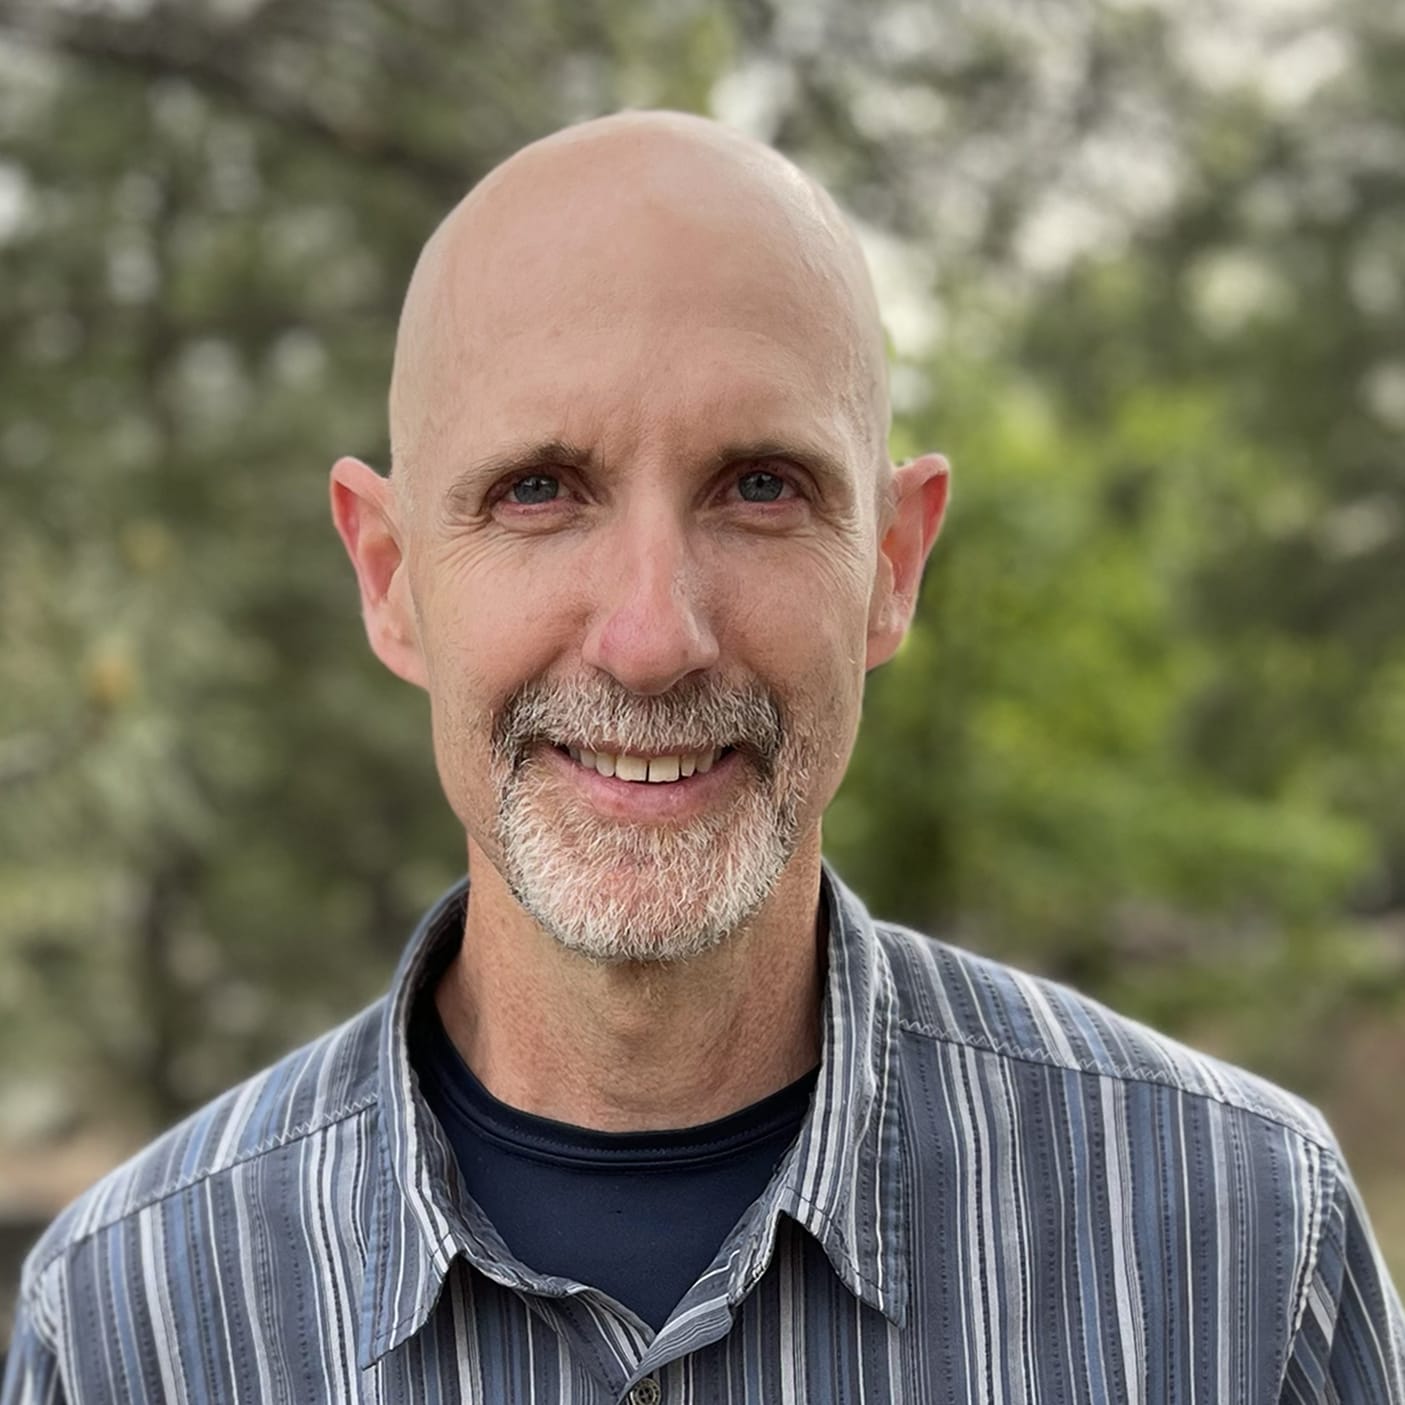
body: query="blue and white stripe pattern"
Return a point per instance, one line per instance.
(1002, 1194)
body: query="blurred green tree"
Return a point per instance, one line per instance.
(1148, 732)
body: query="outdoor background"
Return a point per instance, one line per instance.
(1143, 267)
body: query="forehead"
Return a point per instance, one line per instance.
(628, 394)
(630, 320)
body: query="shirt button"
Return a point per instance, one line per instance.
(647, 1392)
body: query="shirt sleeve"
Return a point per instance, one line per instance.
(1349, 1348)
(31, 1367)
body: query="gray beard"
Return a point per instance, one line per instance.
(615, 892)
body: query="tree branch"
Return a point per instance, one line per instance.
(166, 45)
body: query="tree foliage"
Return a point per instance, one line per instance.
(1148, 731)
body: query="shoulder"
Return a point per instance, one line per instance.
(952, 996)
(314, 1088)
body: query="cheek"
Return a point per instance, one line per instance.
(805, 609)
(485, 629)
(802, 630)
(490, 620)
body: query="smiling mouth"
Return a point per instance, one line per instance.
(655, 770)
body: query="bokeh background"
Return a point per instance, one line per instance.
(1143, 267)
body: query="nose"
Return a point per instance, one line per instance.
(649, 628)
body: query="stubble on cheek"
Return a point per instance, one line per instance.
(468, 773)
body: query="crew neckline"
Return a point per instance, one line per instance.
(543, 1138)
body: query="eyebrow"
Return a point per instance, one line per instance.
(513, 461)
(826, 468)
(516, 460)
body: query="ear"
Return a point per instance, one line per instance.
(916, 503)
(364, 510)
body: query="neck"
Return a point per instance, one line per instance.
(637, 1046)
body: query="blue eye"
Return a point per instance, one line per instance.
(534, 488)
(761, 487)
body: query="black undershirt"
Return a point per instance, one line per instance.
(639, 1215)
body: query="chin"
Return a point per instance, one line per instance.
(616, 893)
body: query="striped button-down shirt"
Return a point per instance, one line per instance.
(1001, 1193)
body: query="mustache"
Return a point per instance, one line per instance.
(695, 714)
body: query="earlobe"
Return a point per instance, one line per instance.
(917, 505)
(363, 510)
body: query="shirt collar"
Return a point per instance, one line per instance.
(843, 1181)
(416, 1230)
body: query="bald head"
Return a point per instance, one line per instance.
(655, 216)
(639, 420)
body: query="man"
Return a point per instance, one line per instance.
(654, 1111)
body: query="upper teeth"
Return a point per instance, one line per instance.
(646, 768)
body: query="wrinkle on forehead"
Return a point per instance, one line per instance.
(622, 210)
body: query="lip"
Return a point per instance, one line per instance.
(643, 802)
